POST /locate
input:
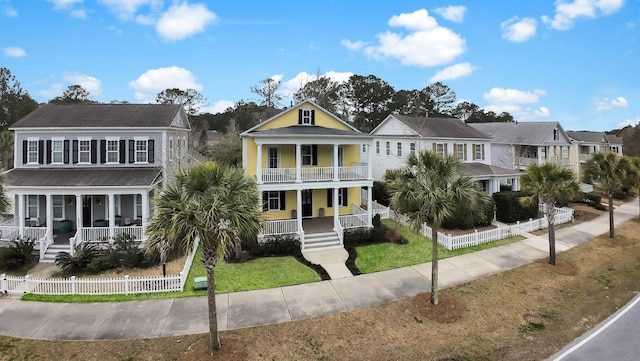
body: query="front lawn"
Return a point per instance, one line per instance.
(385, 256)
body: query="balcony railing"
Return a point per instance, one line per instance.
(313, 174)
(525, 161)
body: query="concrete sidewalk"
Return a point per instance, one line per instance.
(181, 316)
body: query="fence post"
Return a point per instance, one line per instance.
(476, 237)
(126, 284)
(3, 283)
(73, 285)
(449, 241)
(518, 225)
(26, 284)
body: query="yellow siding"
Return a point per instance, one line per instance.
(291, 118)
(351, 154)
(319, 201)
(252, 156)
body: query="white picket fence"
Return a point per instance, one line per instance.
(563, 215)
(98, 286)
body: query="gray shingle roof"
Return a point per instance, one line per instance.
(441, 127)
(588, 137)
(81, 177)
(100, 115)
(307, 130)
(530, 133)
(480, 169)
(614, 139)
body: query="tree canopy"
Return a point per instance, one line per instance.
(74, 94)
(15, 102)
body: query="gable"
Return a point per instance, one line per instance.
(180, 121)
(392, 126)
(291, 117)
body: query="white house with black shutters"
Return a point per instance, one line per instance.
(93, 168)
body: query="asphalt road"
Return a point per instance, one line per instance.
(617, 338)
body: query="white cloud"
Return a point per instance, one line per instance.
(294, 84)
(518, 30)
(14, 52)
(78, 13)
(353, 45)
(608, 104)
(10, 12)
(64, 4)
(91, 84)
(567, 12)
(452, 13)
(512, 100)
(427, 44)
(218, 107)
(126, 9)
(453, 72)
(513, 96)
(629, 122)
(154, 81)
(184, 20)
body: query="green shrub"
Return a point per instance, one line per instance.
(283, 245)
(376, 221)
(380, 193)
(599, 206)
(592, 197)
(510, 209)
(461, 219)
(83, 255)
(18, 254)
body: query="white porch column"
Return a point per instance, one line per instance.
(112, 215)
(336, 207)
(49, 222)
(335, 163)
(370, 206)
(21, 214)
(79, 216)
(259, 164)
(299, 206)
(145, 210)
(370, 161)
(298, 163)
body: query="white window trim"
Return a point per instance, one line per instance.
(460, 151)
(37, 206)
(412, 148)
(117, 151)
(137, 202)
(306, 116)
(303, 155)
(171, 149)
(478, 152)
(80, 140)
(377, 147)
(277, 148)
(276, 198)
(399, 149)
(438, 152)
(136, 151)
(37, 141)
(387, 147)
(61, 151)
(54, 205)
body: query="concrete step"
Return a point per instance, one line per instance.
(321, 241)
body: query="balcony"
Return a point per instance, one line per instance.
(313, 174)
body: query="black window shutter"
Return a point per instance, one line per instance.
(265, 201)
(329, 197)
(41, 151)
(94, 151)
(314, 154)
(103, 151)
(123, 152)
(344, 196)
(283, 200)
(24, 152)
(66, 152)
(150, 151)
(132, 151)
(75, 151)
(48, 151)
(313, 116)
(299, 116)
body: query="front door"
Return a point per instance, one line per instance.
(86, 211)
(307, 203)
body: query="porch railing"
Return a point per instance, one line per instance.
(355, 220)
(313, 174)
(285, 226)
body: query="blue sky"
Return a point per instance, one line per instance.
(572, 61)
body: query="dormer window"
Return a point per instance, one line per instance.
(555, 134)
(306, 116)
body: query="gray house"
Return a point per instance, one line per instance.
(89, 171)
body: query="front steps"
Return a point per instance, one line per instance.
(52, 251)
(321, 241)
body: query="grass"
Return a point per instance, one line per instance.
(258, 273)
(386, 256)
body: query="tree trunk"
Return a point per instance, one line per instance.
(611, 227)
(210, 260)
(434, 265)
(551, 218)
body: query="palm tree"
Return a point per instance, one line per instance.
(6, 148)
(549, 183)
(633, 176)
(609, 171)
(214, 204)
(428, 190)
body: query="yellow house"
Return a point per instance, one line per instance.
(306, 162)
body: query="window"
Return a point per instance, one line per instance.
(57, 151)
(171, 148)
(412, 148)
(274, 161)
(340, 156)
(84, 151)
(343, 197)
(364, 148)
(116, 204)
(57, 204)
(273, 201)
(399, 149)
(377, 147)
(555, 134)
(138, 205)
(459, 149)
(309, 155)
(388, 147)
(439, 150)
(32, 151)
(113, 151)
(32, 206)
(478, 153)
(306, 116)
(141, 151)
